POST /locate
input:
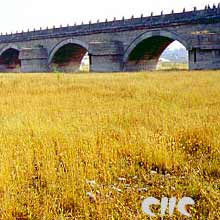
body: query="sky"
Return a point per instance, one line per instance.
(23, 14)
(18, 15)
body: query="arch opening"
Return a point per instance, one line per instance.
(9, 61)
(148, 53)
(70, 58)
(174, 57)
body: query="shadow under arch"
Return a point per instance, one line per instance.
(67, 55)
(144, 52)
(9, 59)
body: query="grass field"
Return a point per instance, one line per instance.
(172, 66)
(80, 146)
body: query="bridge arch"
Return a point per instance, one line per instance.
(144, 52)
(9, 59)
(67, 55)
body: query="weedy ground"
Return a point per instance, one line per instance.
(93, 146)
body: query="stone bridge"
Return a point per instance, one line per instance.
(133, 44)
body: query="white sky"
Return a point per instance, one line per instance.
(24, 14)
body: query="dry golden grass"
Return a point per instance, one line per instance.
(172, 66)
(66, 140)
